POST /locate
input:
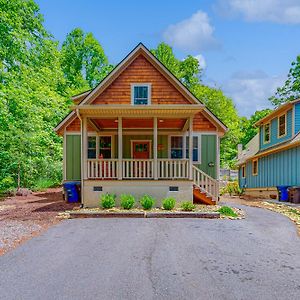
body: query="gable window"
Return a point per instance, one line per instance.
(267, 133)
(243, 171)
(254, 167)
(92, 147)
(281, 125)
(140, 94)
(176, 147)
(196, 148)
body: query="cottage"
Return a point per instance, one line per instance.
(272, 157)
(141, 131)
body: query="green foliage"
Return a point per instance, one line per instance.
(44, 183)
(83, 61)
(127, 201)
(147, 202)
(232, 188)
(168, 203)
(227, 211)
(291, 88)
(6, 184)
(108, 201)
(187, 206)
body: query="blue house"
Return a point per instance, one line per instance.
(272, 157)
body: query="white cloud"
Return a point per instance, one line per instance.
(278, 11)
(250, 90)
(201, 61)
(192, 34)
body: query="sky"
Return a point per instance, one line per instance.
(244, 46)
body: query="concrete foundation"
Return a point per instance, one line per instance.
(181, 190)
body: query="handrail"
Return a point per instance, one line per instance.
(206, 183)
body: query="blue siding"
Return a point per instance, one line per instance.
(297, 118)
(281, 168)
(274, 132)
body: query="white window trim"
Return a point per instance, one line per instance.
(97, 135)
(285, 125)
(184, 136)
(264, 133)
(141, 84)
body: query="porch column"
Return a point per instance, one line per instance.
(120, 147)
(84, 148)
(155, 167)
(191, 148)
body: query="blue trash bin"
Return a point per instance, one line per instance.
(283, 192)
(71, 191)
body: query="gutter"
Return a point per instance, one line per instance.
(82, 160)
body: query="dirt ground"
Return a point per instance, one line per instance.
(22, 217)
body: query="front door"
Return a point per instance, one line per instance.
(141, 149)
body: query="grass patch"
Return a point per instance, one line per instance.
(43, 184)
(227, 211)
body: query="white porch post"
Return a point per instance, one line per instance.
(120, 147)
(155, 167)
(84, 147)
(191, 148)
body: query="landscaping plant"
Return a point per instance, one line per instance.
(227, 211)
(147, 202)
(187, 206)
(168, 203)
(108, 201)
(127, 201)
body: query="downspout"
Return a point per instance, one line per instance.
(82, 160)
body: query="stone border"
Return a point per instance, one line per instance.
(203, 215)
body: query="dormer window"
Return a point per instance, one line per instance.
(267, 133)
(282, 125)
(141, 94)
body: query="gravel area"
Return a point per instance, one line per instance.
(23, 217)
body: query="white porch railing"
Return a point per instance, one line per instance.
(206, 183)
(137, 168)
(102, 168)
(173, 168)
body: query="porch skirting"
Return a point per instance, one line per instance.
(181, 190)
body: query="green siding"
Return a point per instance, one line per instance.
(208, 154)
(73, 157)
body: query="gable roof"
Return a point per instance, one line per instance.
(250, 150)
(88, 96)
(282, 108)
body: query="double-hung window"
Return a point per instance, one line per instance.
(254, 167)
(177, 147)
(141, 94)
(105, 147)
(282, 125)
(196, 148)
(92, 147)
(267, 133)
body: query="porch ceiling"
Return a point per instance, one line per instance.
(175, 111)
(138, 123)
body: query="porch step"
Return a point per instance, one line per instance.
(201, 197)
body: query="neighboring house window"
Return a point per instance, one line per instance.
(140, 94)
(105, 147)
(267, 133)
(243, 171)
(92, 147)
(196, 148)
(176, 147)
(282, 125)
(254, 167)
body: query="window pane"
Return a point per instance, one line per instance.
(176, 142)
(176, 153)
(105, 147)
(267, 132)
(91, 142)
(282, 125)
(140, 95)
(91, 153)
(195, 148)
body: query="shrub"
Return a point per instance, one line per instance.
(147, 202)
(168, 203)
(227, 211)
(187, 206)
(6, 184)
(231, 188)
(127, 201)
(108, 201)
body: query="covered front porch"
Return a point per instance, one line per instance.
(132, 144)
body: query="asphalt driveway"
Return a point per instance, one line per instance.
(255, 258)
